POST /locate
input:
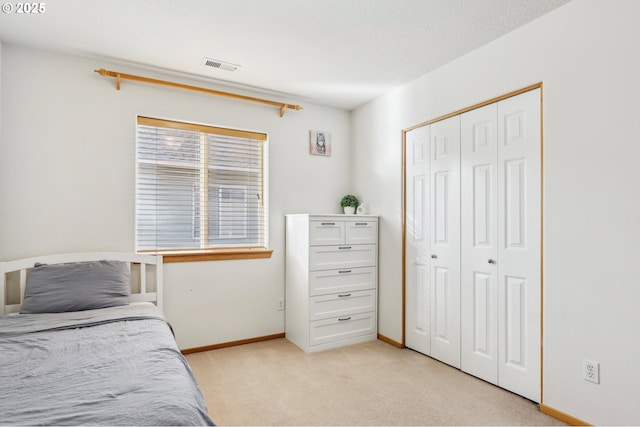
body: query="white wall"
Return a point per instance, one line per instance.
(67, 169)
(0, 104)
(586, 54)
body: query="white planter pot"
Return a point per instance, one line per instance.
(349, 210)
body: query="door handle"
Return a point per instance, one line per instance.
(434, 256)
(491, 261)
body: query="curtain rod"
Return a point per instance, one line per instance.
(119, 76)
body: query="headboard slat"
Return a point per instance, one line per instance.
(23, 285)
(143, 278)
(3, 290)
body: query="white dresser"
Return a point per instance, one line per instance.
(331, 280)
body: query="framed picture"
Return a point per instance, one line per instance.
(319, 143)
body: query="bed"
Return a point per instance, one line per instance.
(83, 341)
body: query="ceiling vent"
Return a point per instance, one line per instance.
(216, 63)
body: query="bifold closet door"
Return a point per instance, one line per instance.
(500, 245)
(432, 241)
(473, 239)
(444, 242)
(519, 244)
(479, 242)
(417, 289)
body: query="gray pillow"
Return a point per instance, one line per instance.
(80, 286)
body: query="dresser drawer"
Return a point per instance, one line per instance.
(341, 328)
(342, 304)
(361, 232)
(340, 281)
(326, 232)
(341, 256)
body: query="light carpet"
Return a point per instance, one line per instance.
(374, 383)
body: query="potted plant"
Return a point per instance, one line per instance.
(349, 204)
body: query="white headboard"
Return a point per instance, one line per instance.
(139, 293)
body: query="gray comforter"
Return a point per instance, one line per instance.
(113, 366)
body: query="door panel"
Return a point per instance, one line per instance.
(441, 307)
(515, 195)
(418, 298)
(482, 210)
(479, 236)
(519, 256)
(445, 240)
(515, 326)
(483, 336)
(441, 191)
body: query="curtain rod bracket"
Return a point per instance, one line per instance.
(119, 76)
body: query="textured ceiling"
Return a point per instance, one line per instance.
(340, 53)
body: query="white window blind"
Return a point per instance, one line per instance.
(199, 187)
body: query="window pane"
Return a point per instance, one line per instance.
(168, 146)
(235, 215)
(168, 207)
(236, 197)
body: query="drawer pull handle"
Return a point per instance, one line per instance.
(344, 247)
(344, 319)
(344, 295)
(361, 223)
(344, 271)
(328, 223)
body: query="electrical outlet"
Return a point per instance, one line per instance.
(591, 371)
(280, 304)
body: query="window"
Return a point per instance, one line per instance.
(200, 191)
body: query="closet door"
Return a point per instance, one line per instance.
(519, 237)
(432, 240)
(473, 242)
(417, 290)
(479, 243)
(444, 242)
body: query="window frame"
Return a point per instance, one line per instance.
(232, 252)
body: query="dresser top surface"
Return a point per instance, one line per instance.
(353, 217)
